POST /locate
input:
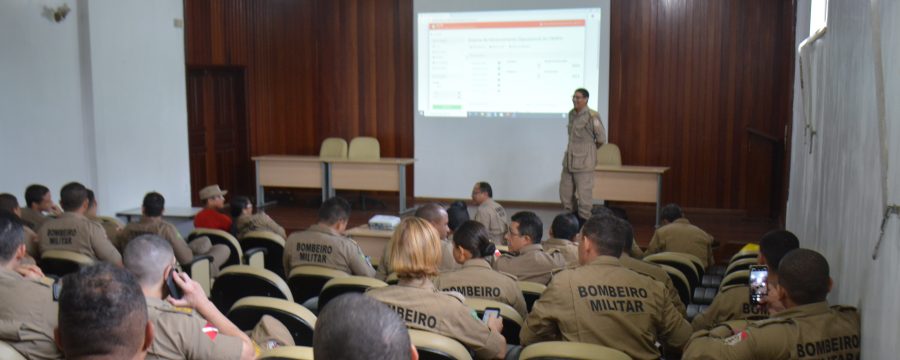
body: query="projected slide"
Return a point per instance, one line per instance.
(523, 63)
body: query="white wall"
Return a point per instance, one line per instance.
(836, 193)
(100, 97)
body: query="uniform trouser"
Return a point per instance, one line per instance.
(219, 253)
(576, 192)
(270, 333)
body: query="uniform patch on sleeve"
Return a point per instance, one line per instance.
(210, 331)
(736, 338)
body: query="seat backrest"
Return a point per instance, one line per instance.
(742, 264)
(678, 261)
(681, 283)
(609, 154)
(217, 236)
(301, 322)
(698, 265)
(199, 271)
(346, 284)
(744, 255)
(274, 245)
(364, 148)
(307, 281)
(333, 147)
(571, 350)
(512, 321)
(736, 277)
(531, 291)
(7, 352)
(432, 346)
(239, 281)
(288, 353)
(61, 262)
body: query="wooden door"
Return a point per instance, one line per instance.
(218, 131)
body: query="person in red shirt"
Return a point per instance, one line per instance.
(210, 217)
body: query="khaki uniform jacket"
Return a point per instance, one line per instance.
(476, 279)
(656, 273)
(157, 226)
(566, 248)
(75, 232)
(423, 307)
(321, 246)
(731, 303)
(28, 315)
(531, 264)
(31, 243)
(33, 219)
(111, 229)
(448, 263)
(258, 222)
(493, 216)
(681, 236)
(813, 331)
(586, 134)
(179, 334)
(605, 303)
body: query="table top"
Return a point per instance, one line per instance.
(332, 160)
(632, 169)
(172, 212)
(363, 230)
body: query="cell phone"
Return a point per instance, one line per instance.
(490, 313)
(174, 290)
(758, 287)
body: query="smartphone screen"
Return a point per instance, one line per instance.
(489, 313)
(758, 288)
(174, 290)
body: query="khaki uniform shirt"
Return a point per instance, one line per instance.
(181, 333)
(31, 243)
(75, 232)
(531, 264)
(321, 246)
(423, 307)
(157, 226)
(448, 263)
(33, 219)
(605, 303)
(813, 331)
(586, 134)
(111, 229)
(656, 273)
(731, 303)
(566, 248)
(476, 279)
(636, 251)
(28, 315)
(493, 216)
(258, 222)
(681, 236)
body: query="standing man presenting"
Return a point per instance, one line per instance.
(586, 134)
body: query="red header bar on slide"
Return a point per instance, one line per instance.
(505, 24)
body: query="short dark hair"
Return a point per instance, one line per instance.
(601, 210)
(102, 311)
(529, 225)
(607, 233)
(565, 226)
(334, 210)
(583, 92)
(430, 212)
(775, 244)
(92, 200)
(805, 275)
(35, 194)
(72, 196)
(457, 214)
(12, 236)
(484, 187)
(671, 212)
(154, 204)
(629, 236)
(8, 203)
(474, 237)
(238, 203)
(355, 326)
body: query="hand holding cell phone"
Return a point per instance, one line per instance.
(174, 290)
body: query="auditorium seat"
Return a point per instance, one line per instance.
(711, 280)
(698, 264)
(365, 148)
(680, 262)
(299, 321)
(306, 282)
(431, 346)
(531, 291)
(7, 352)
(333, 147)
(704, 295)
(744, 255)
(288, 353)
(347, 284)
(736, 277)
(199, 271)
(570, 350)
(239, 281)
(609, 154)
(392, 279)
(274, 245)
(220, 237)
(512, 321)
(58, 263)
(695, 309)
(741, 264)
(681, 283)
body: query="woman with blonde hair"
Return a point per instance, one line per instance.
(415, 255)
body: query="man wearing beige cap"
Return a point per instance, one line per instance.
(210, 217)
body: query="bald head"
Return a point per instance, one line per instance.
(437, 216)
(146, 257)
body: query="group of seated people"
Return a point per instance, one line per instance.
(598, 290)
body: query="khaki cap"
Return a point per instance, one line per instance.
(211, 191)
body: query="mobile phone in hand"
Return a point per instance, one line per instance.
(490, 313)
(174, 290)
(758, 287)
